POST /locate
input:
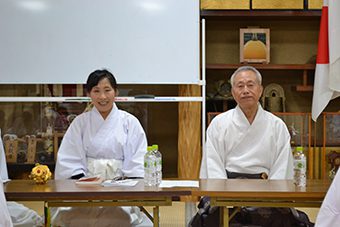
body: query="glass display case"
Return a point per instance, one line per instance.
(330, 153)
(32, 129)
(300, 129)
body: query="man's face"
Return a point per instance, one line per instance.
(246, 90)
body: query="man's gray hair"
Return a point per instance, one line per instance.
(246, 68)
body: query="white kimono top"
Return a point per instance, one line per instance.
(3, 163)
(329, 213)
(5, 219)
(235, 145)
(110, 147)
(18, 214)
(119, 139)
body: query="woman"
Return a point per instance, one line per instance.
(104, 141)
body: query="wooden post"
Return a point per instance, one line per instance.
(323, 151)
(310, 149)
(189, 134)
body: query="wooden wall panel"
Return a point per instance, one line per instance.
(277, 4)
(189, 134)
(314, 4)
(225, 4)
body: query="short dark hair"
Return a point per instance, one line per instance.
(99, 75)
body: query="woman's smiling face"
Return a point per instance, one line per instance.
(103, 96)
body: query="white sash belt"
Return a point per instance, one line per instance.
(106, 168)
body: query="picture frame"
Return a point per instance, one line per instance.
(255, 45)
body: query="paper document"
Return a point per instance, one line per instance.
(179, 183)
(126, 182)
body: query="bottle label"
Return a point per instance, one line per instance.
(300, 171)
(150, 169)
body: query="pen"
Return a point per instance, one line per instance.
(119, 178)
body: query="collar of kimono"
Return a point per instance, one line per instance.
(112, 112)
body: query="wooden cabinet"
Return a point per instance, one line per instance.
(261, 4)
(293, 49)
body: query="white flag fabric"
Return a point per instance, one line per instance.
(327, 72)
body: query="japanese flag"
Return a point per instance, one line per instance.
(327, 71)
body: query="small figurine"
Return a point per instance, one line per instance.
(48, 143)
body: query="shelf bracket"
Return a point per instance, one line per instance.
(304, 86)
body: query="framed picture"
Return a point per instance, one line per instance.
(254, 45)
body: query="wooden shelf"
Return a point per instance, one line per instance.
(303, 67)
(263, 66)
(262, 13)
(304, 88)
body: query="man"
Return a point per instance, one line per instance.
(247, 139)
(329, 214)
(248, 142)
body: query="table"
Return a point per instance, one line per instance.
(223, 193)
(261, 193)
(57, 193)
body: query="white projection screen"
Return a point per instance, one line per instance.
(62, 41)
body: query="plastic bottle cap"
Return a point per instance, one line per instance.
(150, 148)
(299, 148)
(155, 146)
